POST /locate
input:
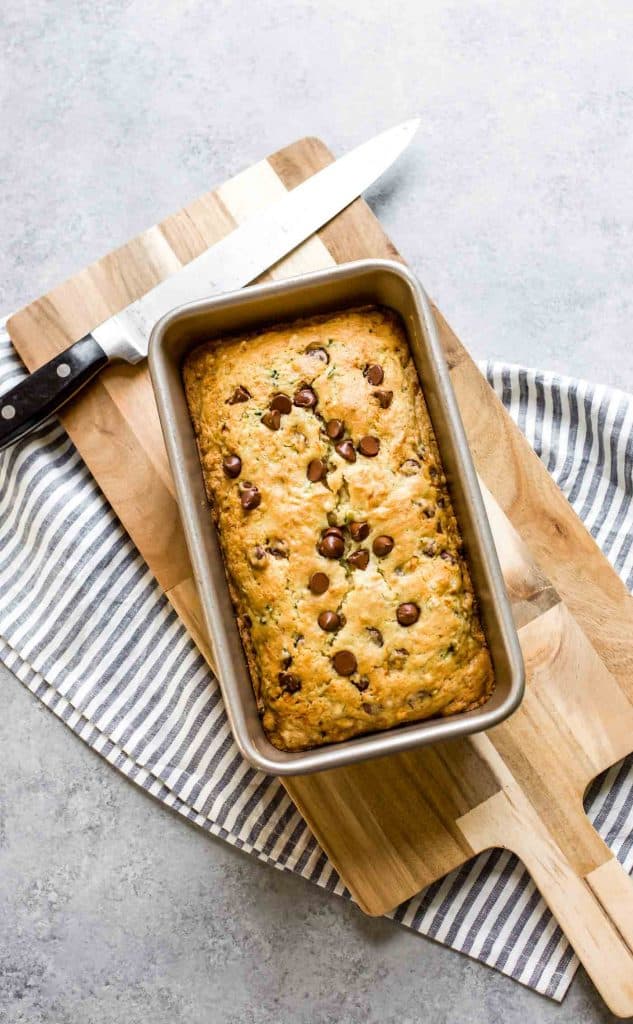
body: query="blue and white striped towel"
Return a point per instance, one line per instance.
(85, 627)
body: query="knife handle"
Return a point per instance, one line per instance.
(40, 394)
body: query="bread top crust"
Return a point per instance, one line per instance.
(405, 642)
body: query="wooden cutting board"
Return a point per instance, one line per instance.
(394, 825)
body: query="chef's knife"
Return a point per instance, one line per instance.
(233, 262)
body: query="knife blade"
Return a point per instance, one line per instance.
(231, 263)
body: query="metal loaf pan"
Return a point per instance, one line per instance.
(367, 282)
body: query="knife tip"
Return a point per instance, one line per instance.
(411, 126)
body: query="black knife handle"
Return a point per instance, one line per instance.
(40, 394)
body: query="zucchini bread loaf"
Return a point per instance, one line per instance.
(343, 556)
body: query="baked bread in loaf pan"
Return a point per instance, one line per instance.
(344, 561)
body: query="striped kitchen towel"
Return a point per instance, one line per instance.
(85, 627)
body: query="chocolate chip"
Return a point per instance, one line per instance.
(446, 555)
(281, 403)
(335, 429)
(318, 582)
(318, 352)
(232, 466)
(374, 373)
(384, 398)
(316, 470)
(410, 467)
(359, 558)
(332, 546)
(272, 419)
(375, 635)
(369, 446)
(433, 472)
(278, 548)
(336, 530)
(383, 545)
(429, 549)
(250, 496)
(346, 450)
(239, 395)
(397, 658)
(289, 682)
(407, 613)
(344, 662)
(305, 398)
(359, 530)
(257, 557)
(286, 661)
(329, 622)
(361, 683)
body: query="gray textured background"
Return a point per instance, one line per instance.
(515, 207)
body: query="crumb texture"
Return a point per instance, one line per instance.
(343, 555)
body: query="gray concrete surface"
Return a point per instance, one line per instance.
(514, 206)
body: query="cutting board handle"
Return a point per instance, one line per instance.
(613, 888)
(508, 820)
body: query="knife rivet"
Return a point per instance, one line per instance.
(63, 370)
(7, 412)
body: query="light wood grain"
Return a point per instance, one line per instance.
(608, 885)
(394, 825)
(508, 819)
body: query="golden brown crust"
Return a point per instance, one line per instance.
(436, 665)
